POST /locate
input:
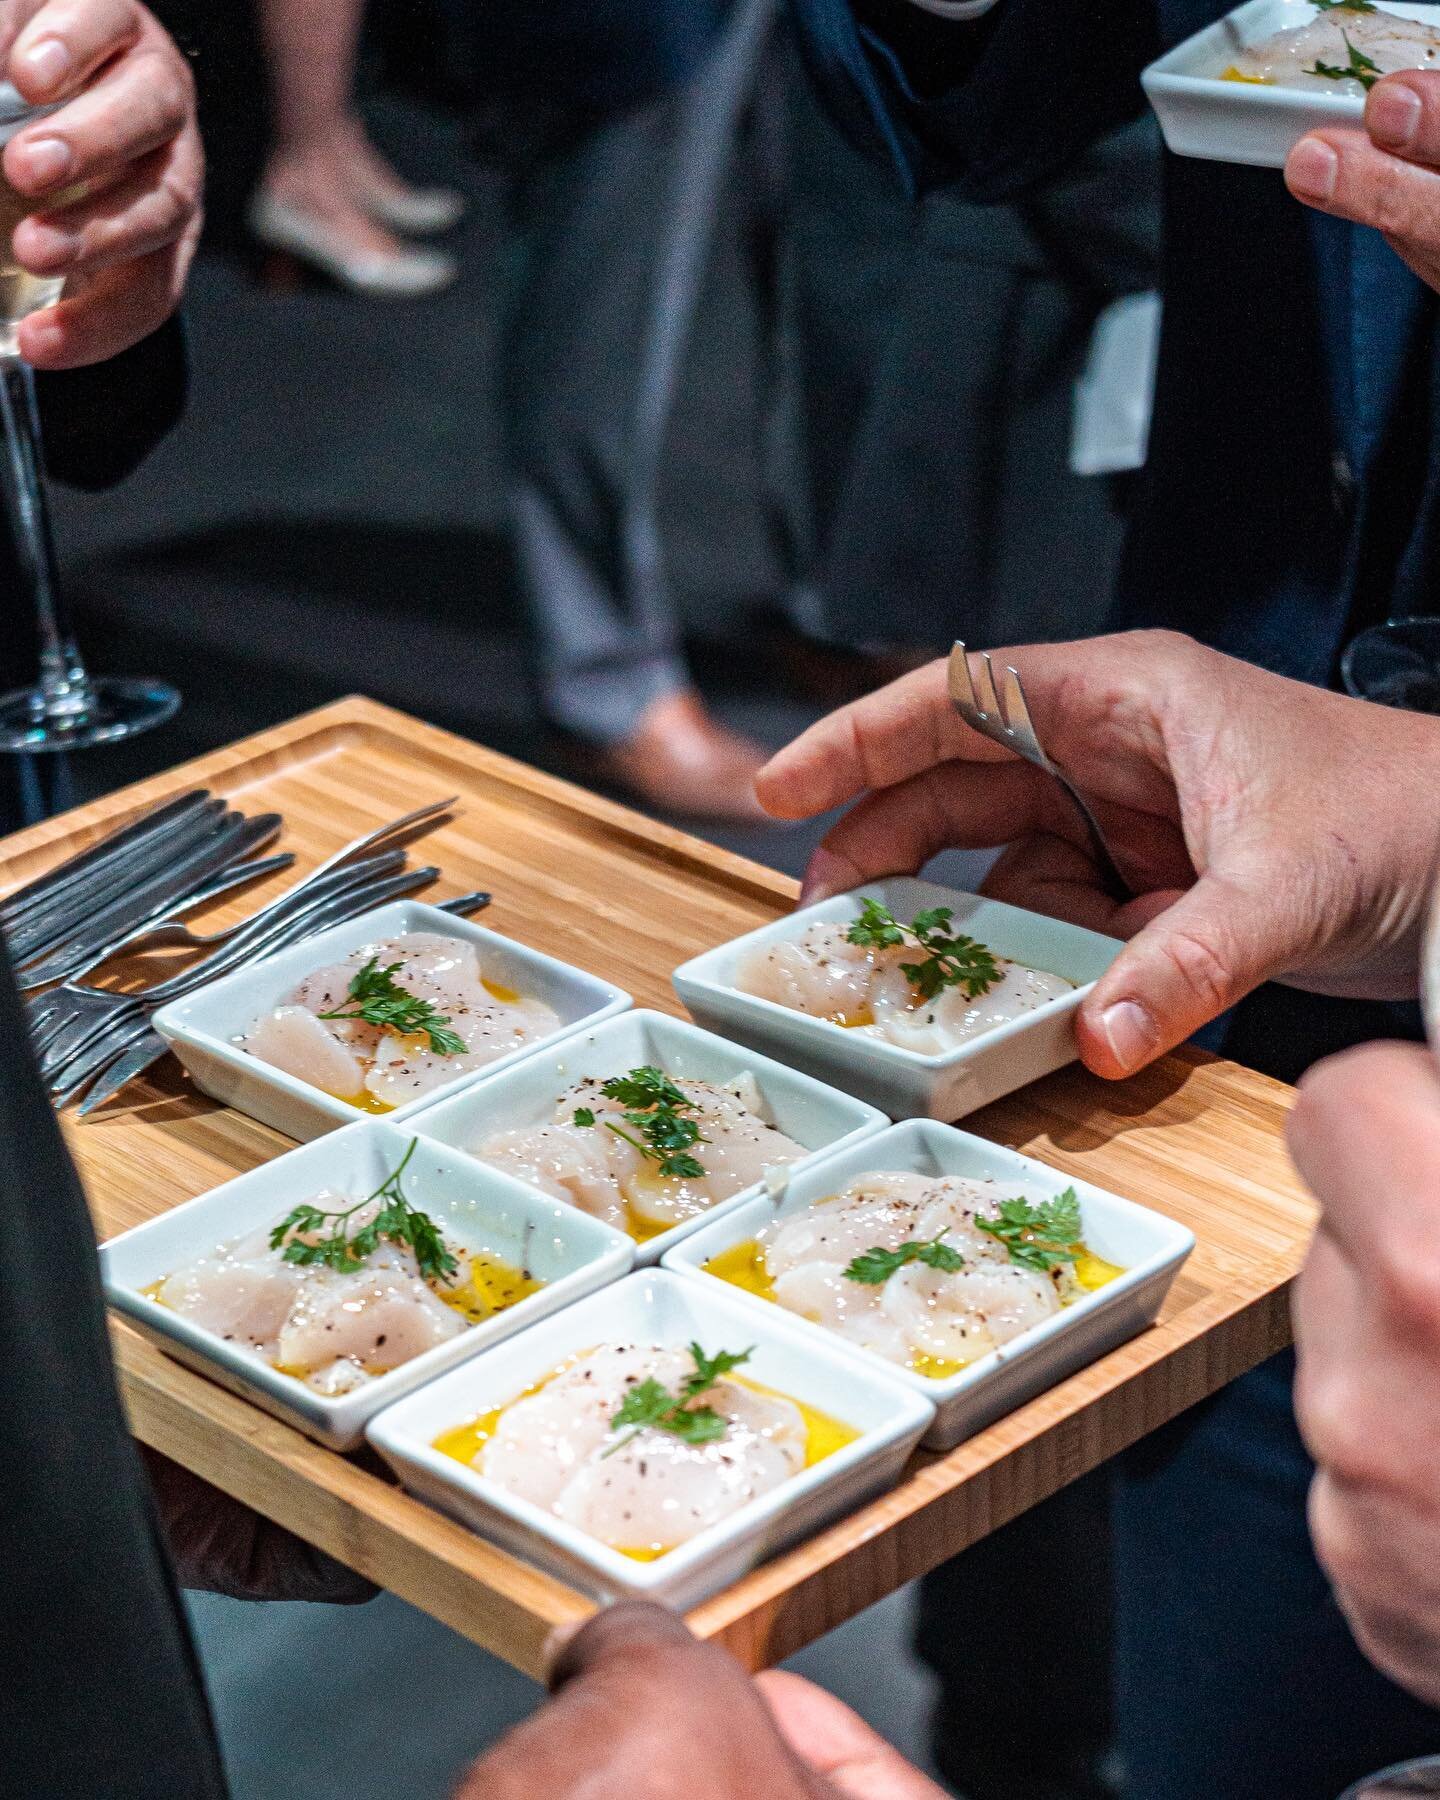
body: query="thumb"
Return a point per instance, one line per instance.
(1199, 957)
(630, 1630)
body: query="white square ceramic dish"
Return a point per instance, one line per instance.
(202, 1029)
(902, 1082)
(804, 1109)
(1147, 1245)
(570, 1253)
(1240, 122)
(654, 1307)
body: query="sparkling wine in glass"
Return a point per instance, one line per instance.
(67, 708)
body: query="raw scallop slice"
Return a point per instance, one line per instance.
(821, 973)
(293, 1039)
(563, 1161)
(542, 1439)
(243, 1300)
(821, 1291)
(875, 1212)
(952, 1018)
(378, 1318)
(656, 1491)
(1288, 58)
(958, 1317)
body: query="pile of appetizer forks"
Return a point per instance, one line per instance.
(128, 895)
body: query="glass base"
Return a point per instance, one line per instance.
(105, 710)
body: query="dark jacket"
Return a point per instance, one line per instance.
(1288, 498)
(100, 1692)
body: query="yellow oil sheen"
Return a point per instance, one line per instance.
(1234, 74)
(743, 1266)
(366, 1102)
(507, 996)
(493, 1287)
(1092, 1271)
(936, 1368)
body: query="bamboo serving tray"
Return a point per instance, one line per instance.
(600, 886)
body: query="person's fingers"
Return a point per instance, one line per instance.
(1367, 1124)
(109, 311)
(145, 212)
(1197, 958)
(62, 43)
(1344, 174)
(1402, 114)
(948, 807)
(144, 103)
(838, 1745)
(630, 1629)
(1051, 875)
(221, 1547)
(877, 742)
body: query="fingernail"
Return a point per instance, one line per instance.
(50, 245)
(46, 160)
(40, 342)
(1313, 170)
(827, 874)
(47, 64)
(1131, 1034)
(1393, 115)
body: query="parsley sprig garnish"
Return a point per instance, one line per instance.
(1044, 1237)
(1361, 68)
(656, 1114)
(380, 1000)
(949, 961)
(873, 1267)
(1360, 6)
(650, 1403)
(337, 1249)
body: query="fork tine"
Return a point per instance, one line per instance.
(989, 699)
(962, 689)
(1017, 711)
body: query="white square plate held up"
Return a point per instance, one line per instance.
(902, 1082)
(804, 1109)
(570, 1254)
(1244, 122)
(203, 1029)
(655, 1307)
(1148, 1246)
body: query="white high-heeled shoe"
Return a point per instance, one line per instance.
(408, 274)
(417, 212)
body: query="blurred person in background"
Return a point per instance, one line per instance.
(891, 479)
(1289, 500)
(669, 102)
(327, 197)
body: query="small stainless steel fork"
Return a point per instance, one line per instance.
(1011, 725)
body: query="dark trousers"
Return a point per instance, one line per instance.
(620, 231)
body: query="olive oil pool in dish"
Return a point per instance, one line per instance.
(344, 1288)
(919, 985)
(1345, 47)
(395, 1020)
(930, 1272)
(644, 1152)
(644, 1446)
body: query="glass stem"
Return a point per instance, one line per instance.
(63, 684)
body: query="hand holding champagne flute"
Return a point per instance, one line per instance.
(100, 183)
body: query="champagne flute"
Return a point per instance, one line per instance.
(67, 708)
(1396, 664)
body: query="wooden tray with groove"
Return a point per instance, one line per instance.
(589, 881)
